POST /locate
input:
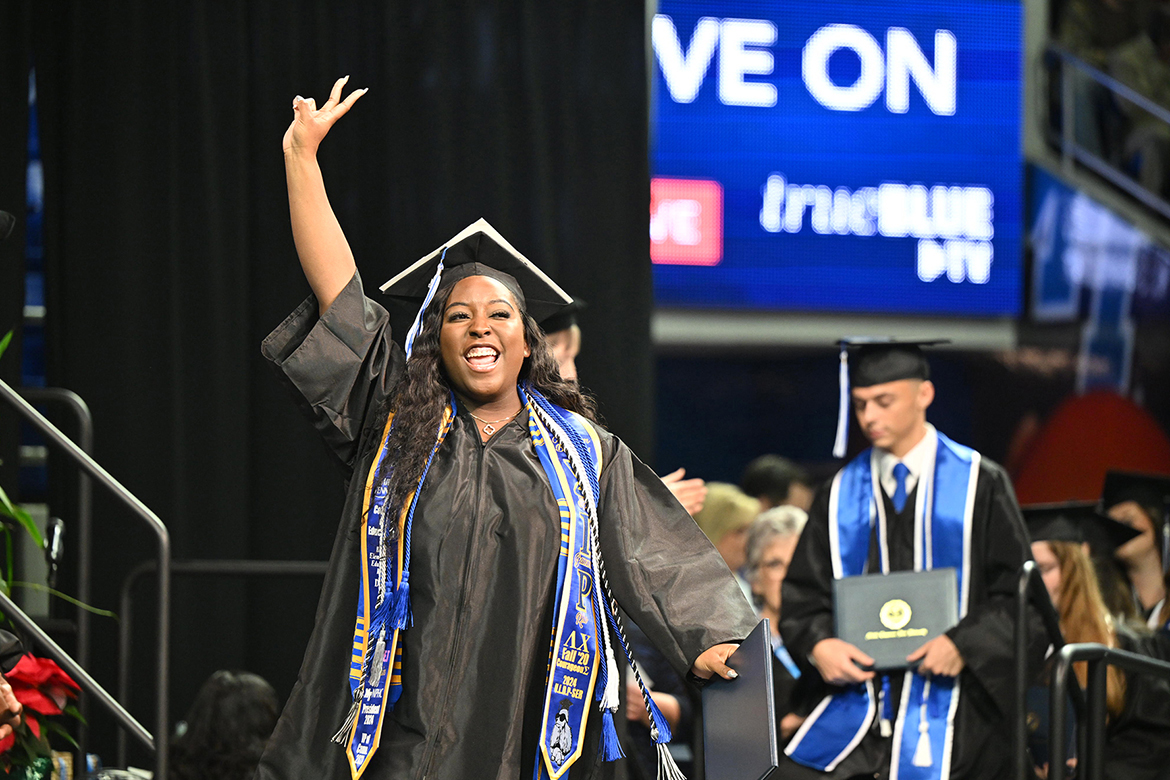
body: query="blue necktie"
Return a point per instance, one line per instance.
(900, 474)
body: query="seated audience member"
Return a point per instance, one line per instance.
(226, 729)
(1140, 501)
(1137, 738)
(777, 481)
(725, 519)
(771, 542)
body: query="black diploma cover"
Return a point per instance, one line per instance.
(889, 616)
(739, 717)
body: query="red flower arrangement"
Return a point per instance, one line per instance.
(42, 689)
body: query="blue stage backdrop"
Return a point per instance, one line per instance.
(838, 156)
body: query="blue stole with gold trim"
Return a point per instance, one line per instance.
(574, 652)
(375, 672)
(923, 731)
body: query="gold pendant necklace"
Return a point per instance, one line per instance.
(489, 426)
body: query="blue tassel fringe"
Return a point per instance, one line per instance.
(611, 748)
(661, 727)
(400, 615)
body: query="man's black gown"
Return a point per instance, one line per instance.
(999, 547)
(486, 536)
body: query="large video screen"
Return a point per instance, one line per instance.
(838, 156)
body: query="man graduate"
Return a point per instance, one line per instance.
(914, 501)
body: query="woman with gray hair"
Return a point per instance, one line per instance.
(771, 541)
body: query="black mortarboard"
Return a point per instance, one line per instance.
(563, 319)
(879, 359)
(477, 250)
(1149, 491)
(1076, 521)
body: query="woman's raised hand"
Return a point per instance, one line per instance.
(310, 124)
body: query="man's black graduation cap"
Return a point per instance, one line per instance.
(477, 250)
(879, 359)
(563, 319)
(1076, 521)
(1152, 493)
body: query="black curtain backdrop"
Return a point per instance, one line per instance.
(14, 59)
(170, 255)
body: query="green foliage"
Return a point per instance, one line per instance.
(11, 510)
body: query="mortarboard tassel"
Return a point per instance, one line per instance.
(922, 753)
(842, 441)
(416, 326)
(887, 707)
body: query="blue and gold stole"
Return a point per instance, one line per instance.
(383, 611)
(581, 666)
(922, 734)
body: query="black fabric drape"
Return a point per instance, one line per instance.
(14, 64)
(170, 254)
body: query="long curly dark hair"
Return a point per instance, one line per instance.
(420, 398)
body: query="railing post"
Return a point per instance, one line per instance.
(84, 528)
(1093, 760)
(1023, 587)
(1057, 710)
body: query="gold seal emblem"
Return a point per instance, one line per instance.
(895, 614)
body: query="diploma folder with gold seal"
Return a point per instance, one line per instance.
(889, 616)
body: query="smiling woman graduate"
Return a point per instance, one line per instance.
(467, 626)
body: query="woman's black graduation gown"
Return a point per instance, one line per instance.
(999, 547)
(484, 551)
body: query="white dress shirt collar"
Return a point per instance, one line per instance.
(916, 460)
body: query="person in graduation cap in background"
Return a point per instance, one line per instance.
(1137, 735)
(1142, 501)
(484, 510)
(914, 501)
(563, 335)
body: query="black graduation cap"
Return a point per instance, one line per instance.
(1076, 521)
(477, 250)
(563, 319)
(879, 359)
(1152, 493)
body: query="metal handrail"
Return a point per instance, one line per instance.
(242, 568)
(103, 477)
(1071, 152)
(1099, 658)
(75, 670)
(80, 409)
(1110, 83)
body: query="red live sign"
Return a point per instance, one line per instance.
(686, 221)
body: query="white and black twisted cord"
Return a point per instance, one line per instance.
(603, 578)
